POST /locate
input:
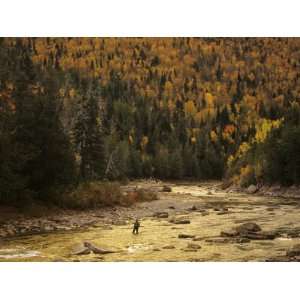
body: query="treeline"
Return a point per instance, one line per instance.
(36, 156)
(82, 109)
(273, 157)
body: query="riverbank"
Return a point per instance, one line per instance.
(189, 222)
(268, 190)
(45, 220)
(41, 219)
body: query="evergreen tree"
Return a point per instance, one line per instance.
(89, 136)
(37, 157)
(52, 169)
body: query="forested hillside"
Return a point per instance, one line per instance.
(81, 109)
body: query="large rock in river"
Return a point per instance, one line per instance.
(252, 189)
(180, 221)
(185, 236)
(96, 250)
(249, 231)
(161, 215)
(193, 246)
(169, 247)
(248, 227)
(81, 250)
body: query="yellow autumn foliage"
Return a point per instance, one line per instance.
(263, 127)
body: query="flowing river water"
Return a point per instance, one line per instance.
(210, 211)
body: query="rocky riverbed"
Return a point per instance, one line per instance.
(189, 222)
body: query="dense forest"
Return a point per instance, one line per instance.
(84, 109)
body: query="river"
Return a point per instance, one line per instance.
(209, 210)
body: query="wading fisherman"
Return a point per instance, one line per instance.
(136, 227)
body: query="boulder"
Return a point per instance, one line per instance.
(262, 235)
(252, 189)
(185, 236)
(166, 189)
(248, 227)
(193, 246)
(96, 250)
(250, 231)
(193, 208)
(169, 247)
(81, 250)
(161, 215)
(223, 211)
(180, 221)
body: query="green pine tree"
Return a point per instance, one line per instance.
(88, 135)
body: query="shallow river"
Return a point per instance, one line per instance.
(156, 233)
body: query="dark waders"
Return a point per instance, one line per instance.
(136, 226)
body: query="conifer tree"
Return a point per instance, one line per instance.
(88, 135)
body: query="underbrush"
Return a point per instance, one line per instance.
(103, 194)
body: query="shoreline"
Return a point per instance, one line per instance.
(267, 190)
(15, 224)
